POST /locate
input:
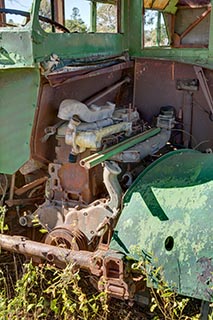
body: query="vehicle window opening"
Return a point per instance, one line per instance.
(185, 25)
(46, 11)
(82, 16)
(155, 29)
(14, 13)
(77, 15)
(107, 18)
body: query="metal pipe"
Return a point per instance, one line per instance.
(101, 156)
(103, 93)
(59, 256)
(12, 186)
(144, 149)
(93, 139)
(2, 16)
(70, 108)
(111, 171)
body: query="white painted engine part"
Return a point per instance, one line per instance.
(70, 107)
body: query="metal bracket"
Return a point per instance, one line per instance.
(204, 85)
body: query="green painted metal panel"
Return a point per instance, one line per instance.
(168, 214)
(24, 46)
(18, 99)
(211, 35)
(16, 48)
(186, 55)
(134, 11)
(76, 46)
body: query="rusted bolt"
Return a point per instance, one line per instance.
(50, 256)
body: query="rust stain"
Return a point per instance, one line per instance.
(192, 2)
(206, 275)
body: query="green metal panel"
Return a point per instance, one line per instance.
(74, 45)
(186, 55)
(168, 213)
(211, 35)
(23, 46)
(134, 9)
(15, 48)
(198, 56)
(18, 99)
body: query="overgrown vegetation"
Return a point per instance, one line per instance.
(169, 305)
(45, 292)
(29, 291)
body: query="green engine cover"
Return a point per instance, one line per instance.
(168, 213)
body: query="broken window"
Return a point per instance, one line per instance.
(107, 17)
(14, 13)
(45, 11)
(155, 30)
(180, 24)
(82, 16)
(73, 15)
(77, 15)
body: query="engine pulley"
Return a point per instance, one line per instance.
(67, 237)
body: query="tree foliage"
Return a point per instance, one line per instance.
(45, 9)
(76, 24)
(154, 34)
(106, 18)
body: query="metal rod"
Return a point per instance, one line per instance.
(12, 186)
(204, 85)
(57, 80)
(195, 23)
(59, 256)
(106, 91)
(2, 16)
(99, 157)
(30, 186)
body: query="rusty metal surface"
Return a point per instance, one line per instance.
(24, 201)
(58, 6)
(61, 78)
(109, 266)
(30, 186)
(159, 89)
(67, 237)
(2, 16)
(48, 104)
(53, 254)
(192, 2)
(177, 40)
(162, 4)
(191, 28)
(76, 182)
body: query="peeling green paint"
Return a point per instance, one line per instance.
(182, 243)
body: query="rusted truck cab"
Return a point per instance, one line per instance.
(106, 142)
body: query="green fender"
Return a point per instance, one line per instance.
(168, 216)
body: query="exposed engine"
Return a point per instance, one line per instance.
(98, 149)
